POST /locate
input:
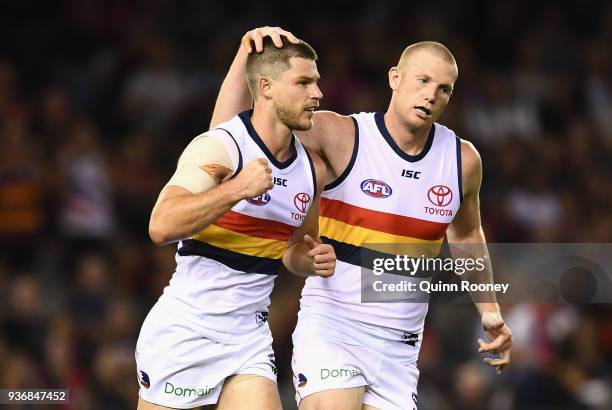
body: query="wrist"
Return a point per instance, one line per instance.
(491, 320)
(488, 308)
(234, 190)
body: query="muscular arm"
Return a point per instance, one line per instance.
(307, 256)
(466, 228)
(200, 192)
(466, 236)
(179, 214)
(234, 96)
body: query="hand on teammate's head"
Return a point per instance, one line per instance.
(256, 37)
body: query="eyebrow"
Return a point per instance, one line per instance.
(309, 78)
(450, 87)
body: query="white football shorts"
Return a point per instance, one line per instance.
(337, 353)
(179, 367)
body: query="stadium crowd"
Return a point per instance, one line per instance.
(98, 98)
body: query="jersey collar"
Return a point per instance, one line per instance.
(380, 122)
(246, 120)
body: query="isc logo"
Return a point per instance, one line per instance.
(376, 188)
(280, 181)
(407, 173)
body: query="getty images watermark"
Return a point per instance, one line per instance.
(531, 273)
(407, 265)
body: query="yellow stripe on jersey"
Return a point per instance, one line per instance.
(376, 240)
(245, 244)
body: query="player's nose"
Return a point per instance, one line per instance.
(431, 94)
(316, 93)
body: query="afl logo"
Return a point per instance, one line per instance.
(301, 202)
(440, 195)
(376, 188)
(260, 200)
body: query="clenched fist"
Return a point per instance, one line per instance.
(323, 257)
(254, 179)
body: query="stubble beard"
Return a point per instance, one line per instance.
(291, 119)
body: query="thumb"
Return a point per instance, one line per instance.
(311, 243)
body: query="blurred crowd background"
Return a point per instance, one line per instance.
(98, 99)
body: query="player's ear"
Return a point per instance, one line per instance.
(394, 78)
(264, 87)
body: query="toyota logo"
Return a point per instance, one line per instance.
(301, 201)
(440, 195)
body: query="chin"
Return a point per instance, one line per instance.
(299, 125)
(418, 121)
(304, 126)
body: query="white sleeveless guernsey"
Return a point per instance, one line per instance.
(225, 273)
(385, 196)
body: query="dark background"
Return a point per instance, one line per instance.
(98, 98)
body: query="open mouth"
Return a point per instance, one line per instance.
(423, 109)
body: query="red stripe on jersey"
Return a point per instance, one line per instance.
(257, 227)
(382, 221)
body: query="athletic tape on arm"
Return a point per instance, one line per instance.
(207, 161)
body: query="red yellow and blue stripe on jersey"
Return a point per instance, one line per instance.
(350, 229)
(242, 242)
